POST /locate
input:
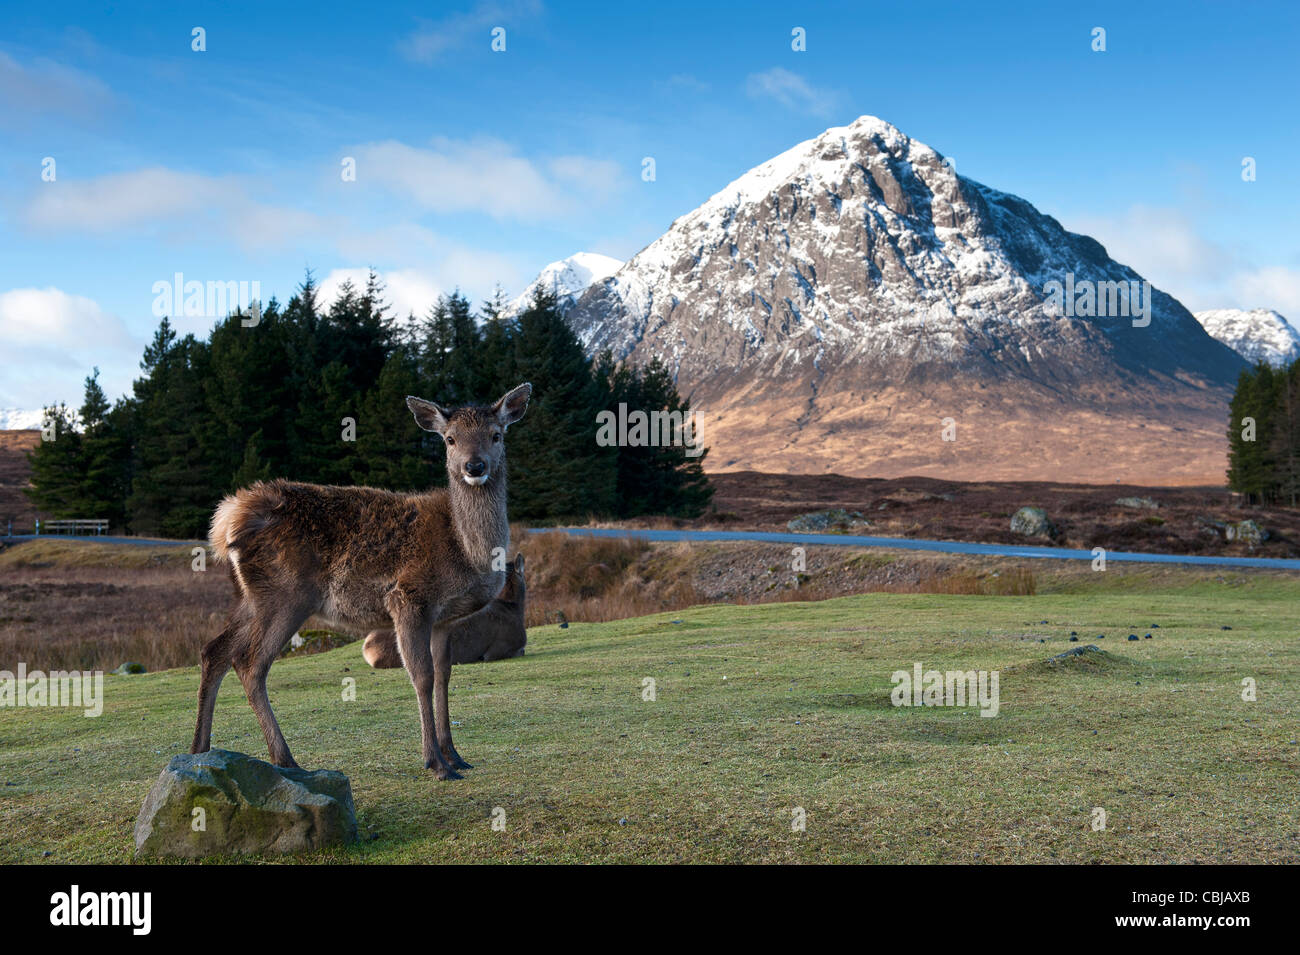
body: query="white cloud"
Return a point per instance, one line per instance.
(683, 81)
(1275, 287)
(1162, 244)
(52, 339)
(433, 40)
(790, 90)
(408, 291)
(44, 86)
(472, 272)
(1166, 247)
(597, 177)
(485, 176)
(158, 196)
(123, 199)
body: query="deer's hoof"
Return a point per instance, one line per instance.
(442, 770)
(456, 761)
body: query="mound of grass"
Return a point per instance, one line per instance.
(1082, 659)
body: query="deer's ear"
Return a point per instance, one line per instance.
(427, 415)
(512, 407)
(519, 562)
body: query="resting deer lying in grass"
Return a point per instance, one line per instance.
(365, 557)
(494, 633)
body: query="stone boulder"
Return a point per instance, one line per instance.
(248, 806)
(1246, 532)
(1141, 503)
(835, 519)
(1032, 522)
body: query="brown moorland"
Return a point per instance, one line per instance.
(1186, 520)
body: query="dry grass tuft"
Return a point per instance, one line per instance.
(597, 579)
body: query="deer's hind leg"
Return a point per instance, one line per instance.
(269, 631)
(217, 656)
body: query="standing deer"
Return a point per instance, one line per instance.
(493, 633)
(365, 557)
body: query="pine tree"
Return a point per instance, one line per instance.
(1285, 439)
(248, 392)
(392, 451)
(1252, 464)
(252, 468)
(557, 468)
(57, 472)
(494, 357)
(174, 485)
(105, 456)
(662, 471)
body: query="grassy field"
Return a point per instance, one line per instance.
(759, 710)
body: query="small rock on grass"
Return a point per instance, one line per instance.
(248, 806)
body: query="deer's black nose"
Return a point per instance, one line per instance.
(476, 467)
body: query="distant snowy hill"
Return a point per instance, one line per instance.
(19, 419)
(1259, 334)
(567, 279)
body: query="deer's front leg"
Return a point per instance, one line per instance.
(440, 648)
(413, 643)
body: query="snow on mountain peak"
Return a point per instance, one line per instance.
(20, 419)
(867, 242)
(1257, 334)
(567, 279)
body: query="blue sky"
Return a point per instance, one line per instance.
(476, 167)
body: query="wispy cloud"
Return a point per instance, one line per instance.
(1276, 287)
(686, 82)
(1162, 243)
(42, 86)
(485, 176)
(158, 196)
(432, 40)
(1168, 247)
(790, 90)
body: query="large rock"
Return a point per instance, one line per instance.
(1032, 522)
(249, 806)
(1145, 503)
(835, 519)
(1247, 532)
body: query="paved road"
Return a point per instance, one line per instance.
(839, 540)
(948, 547)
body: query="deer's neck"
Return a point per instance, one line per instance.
(479, 517)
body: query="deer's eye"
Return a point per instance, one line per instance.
(451, 442)
(496, 436)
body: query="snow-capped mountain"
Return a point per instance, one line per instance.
(831, 306)
(20, 419)
(567, 279)
(1258, 334)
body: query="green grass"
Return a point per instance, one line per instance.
(759, 710)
